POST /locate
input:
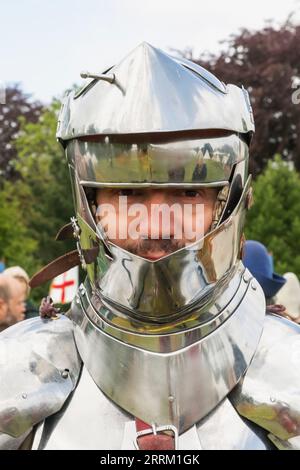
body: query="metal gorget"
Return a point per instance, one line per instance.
(172, 378)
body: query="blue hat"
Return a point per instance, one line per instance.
(257, 259)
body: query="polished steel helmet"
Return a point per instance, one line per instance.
(168, 339)
(158, 121)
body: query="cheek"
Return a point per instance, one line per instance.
(11, 306)
(198, 221)
(208, 216)
(3, 311)
(115, 224)
(104, 199)
(107, 219)
(208, 211)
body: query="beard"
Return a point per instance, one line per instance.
(148, 246)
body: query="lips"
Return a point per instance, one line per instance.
(153, 256)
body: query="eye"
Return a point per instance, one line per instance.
(192, 193)
(126, 192)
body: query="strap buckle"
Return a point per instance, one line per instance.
(155, 430)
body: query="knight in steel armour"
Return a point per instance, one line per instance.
(167, 344)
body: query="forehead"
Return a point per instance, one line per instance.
(17, 288)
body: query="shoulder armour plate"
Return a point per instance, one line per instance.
(40, 367)
(269, 394)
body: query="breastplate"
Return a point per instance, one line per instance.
(90, 420)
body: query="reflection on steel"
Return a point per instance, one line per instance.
(142, 381)
(224, 429)
(182, 281)
(34, 357)
(147, 334)
(178, 163)
(107, 78)
(155, 93)
(270, 393)
(174, 124)
(61, 431)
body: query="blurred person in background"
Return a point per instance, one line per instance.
(20, 275)
(12, 306)
(260, 263)
(289, 296)
(2, 265)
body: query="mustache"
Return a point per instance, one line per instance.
(144, 245)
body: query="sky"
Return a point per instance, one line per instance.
(44, 45)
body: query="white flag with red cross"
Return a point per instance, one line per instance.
(64, 287)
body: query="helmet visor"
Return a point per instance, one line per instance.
(197, 162)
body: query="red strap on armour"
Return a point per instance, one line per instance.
(152, 441)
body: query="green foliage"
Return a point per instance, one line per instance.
(274, 218)
(39, 203)
(17, 104)
(16, 244)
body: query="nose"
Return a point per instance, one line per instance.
(158, 220)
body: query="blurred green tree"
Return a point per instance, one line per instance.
(267, 63)
(38, 203)
(16, 244)
(274, 218)
(17, 103)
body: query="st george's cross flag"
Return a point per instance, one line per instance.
(64, 287)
